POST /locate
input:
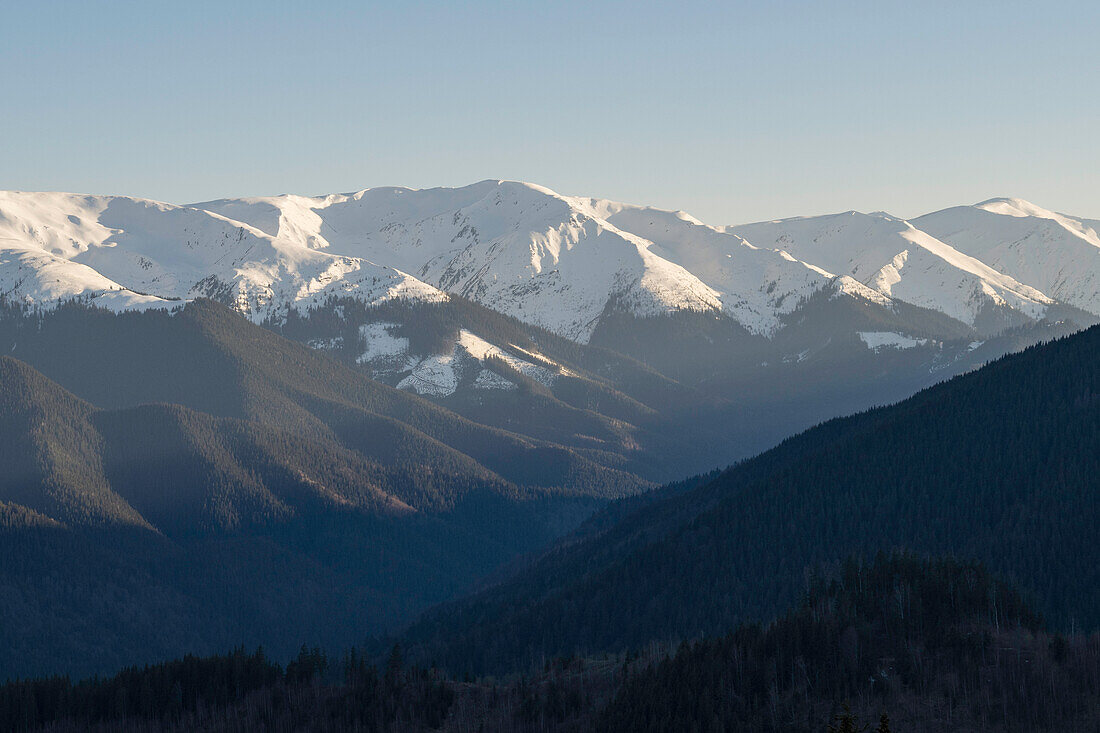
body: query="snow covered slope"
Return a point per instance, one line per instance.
(755, 286)
(439, 375)
(1058, 254)
(551, 260)
(900, 261)
(131, 253)
(517, 248)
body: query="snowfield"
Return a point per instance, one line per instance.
(901, 262)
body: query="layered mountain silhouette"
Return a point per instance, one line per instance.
(287, 420)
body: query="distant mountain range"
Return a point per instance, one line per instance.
(550, 260)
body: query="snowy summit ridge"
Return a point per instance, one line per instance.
(555, 261)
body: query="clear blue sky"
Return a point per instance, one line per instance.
(734, 112)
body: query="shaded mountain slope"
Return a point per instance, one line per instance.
(139, 532)
(51, 453)
(666, 395)
(210, 359)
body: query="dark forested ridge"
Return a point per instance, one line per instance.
(999, 464)
(903, 644)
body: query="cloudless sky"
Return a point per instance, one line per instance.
(732, 111)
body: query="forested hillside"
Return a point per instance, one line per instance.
(999, 464)
(899, 643)
(218, 484)
(139, 533)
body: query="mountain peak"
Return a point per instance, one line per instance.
(1016, 207)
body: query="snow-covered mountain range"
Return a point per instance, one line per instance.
(554, 261)
(125, 253)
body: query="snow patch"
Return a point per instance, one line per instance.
(846, 285)
(440, 375)
(491, 380)
(480, 349)
(380, 343)
(878, 340)
(434, 376)
(328, 344)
